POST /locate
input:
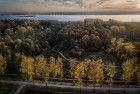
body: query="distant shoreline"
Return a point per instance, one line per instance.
(61, 17)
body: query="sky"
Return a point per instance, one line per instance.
(131, 6)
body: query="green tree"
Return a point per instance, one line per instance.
(28, 47)
(85, 41)
(8, 31)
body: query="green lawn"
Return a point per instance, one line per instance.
(7, 88)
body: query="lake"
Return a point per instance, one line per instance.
(123, 18)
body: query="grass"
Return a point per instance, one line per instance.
(49, 91)
(7, 88)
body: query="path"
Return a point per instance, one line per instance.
(19, 89)
(69, 60)
(71, 86)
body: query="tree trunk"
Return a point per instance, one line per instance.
(3, 83)
(94, 88)
(73, 83)
(33, 84)
(80, 90)
(124, 91)
(46, 85)
(109, 89)
(124, 88)
(127, 85)
(139, 91)
(109, 86)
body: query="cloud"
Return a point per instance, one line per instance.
(69, 5)
(138, 4)
(110, 4)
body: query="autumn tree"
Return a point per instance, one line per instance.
(72, 69)
(128, 70)
(56, 67)
(138, 73)
(59, 67)
(80, 73)
(42, 67)
(96, 71)
(39, 65)
(110, 73)
(2, 64)
(27, 67)
(21, 29)
(114, 28)
(73, 65)
(122, 49)
(85, 39)
(46, 72)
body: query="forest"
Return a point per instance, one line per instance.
(93, 49)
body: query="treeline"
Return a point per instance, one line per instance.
(96, 71)
(91, 39)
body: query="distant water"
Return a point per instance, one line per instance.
(123, 18)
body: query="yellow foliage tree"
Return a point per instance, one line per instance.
(2, 64)
(110, 73)
(128, 69)
(56, 67)
(81, 71)
(40, 63)
(96, 71)
(123, 50)
(138, 72)
(46, 72)
(73, 65)
(27, 67)
(59, 67)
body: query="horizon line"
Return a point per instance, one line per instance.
(74, 13)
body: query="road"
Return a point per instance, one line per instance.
(66, 85)
(19, 89)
